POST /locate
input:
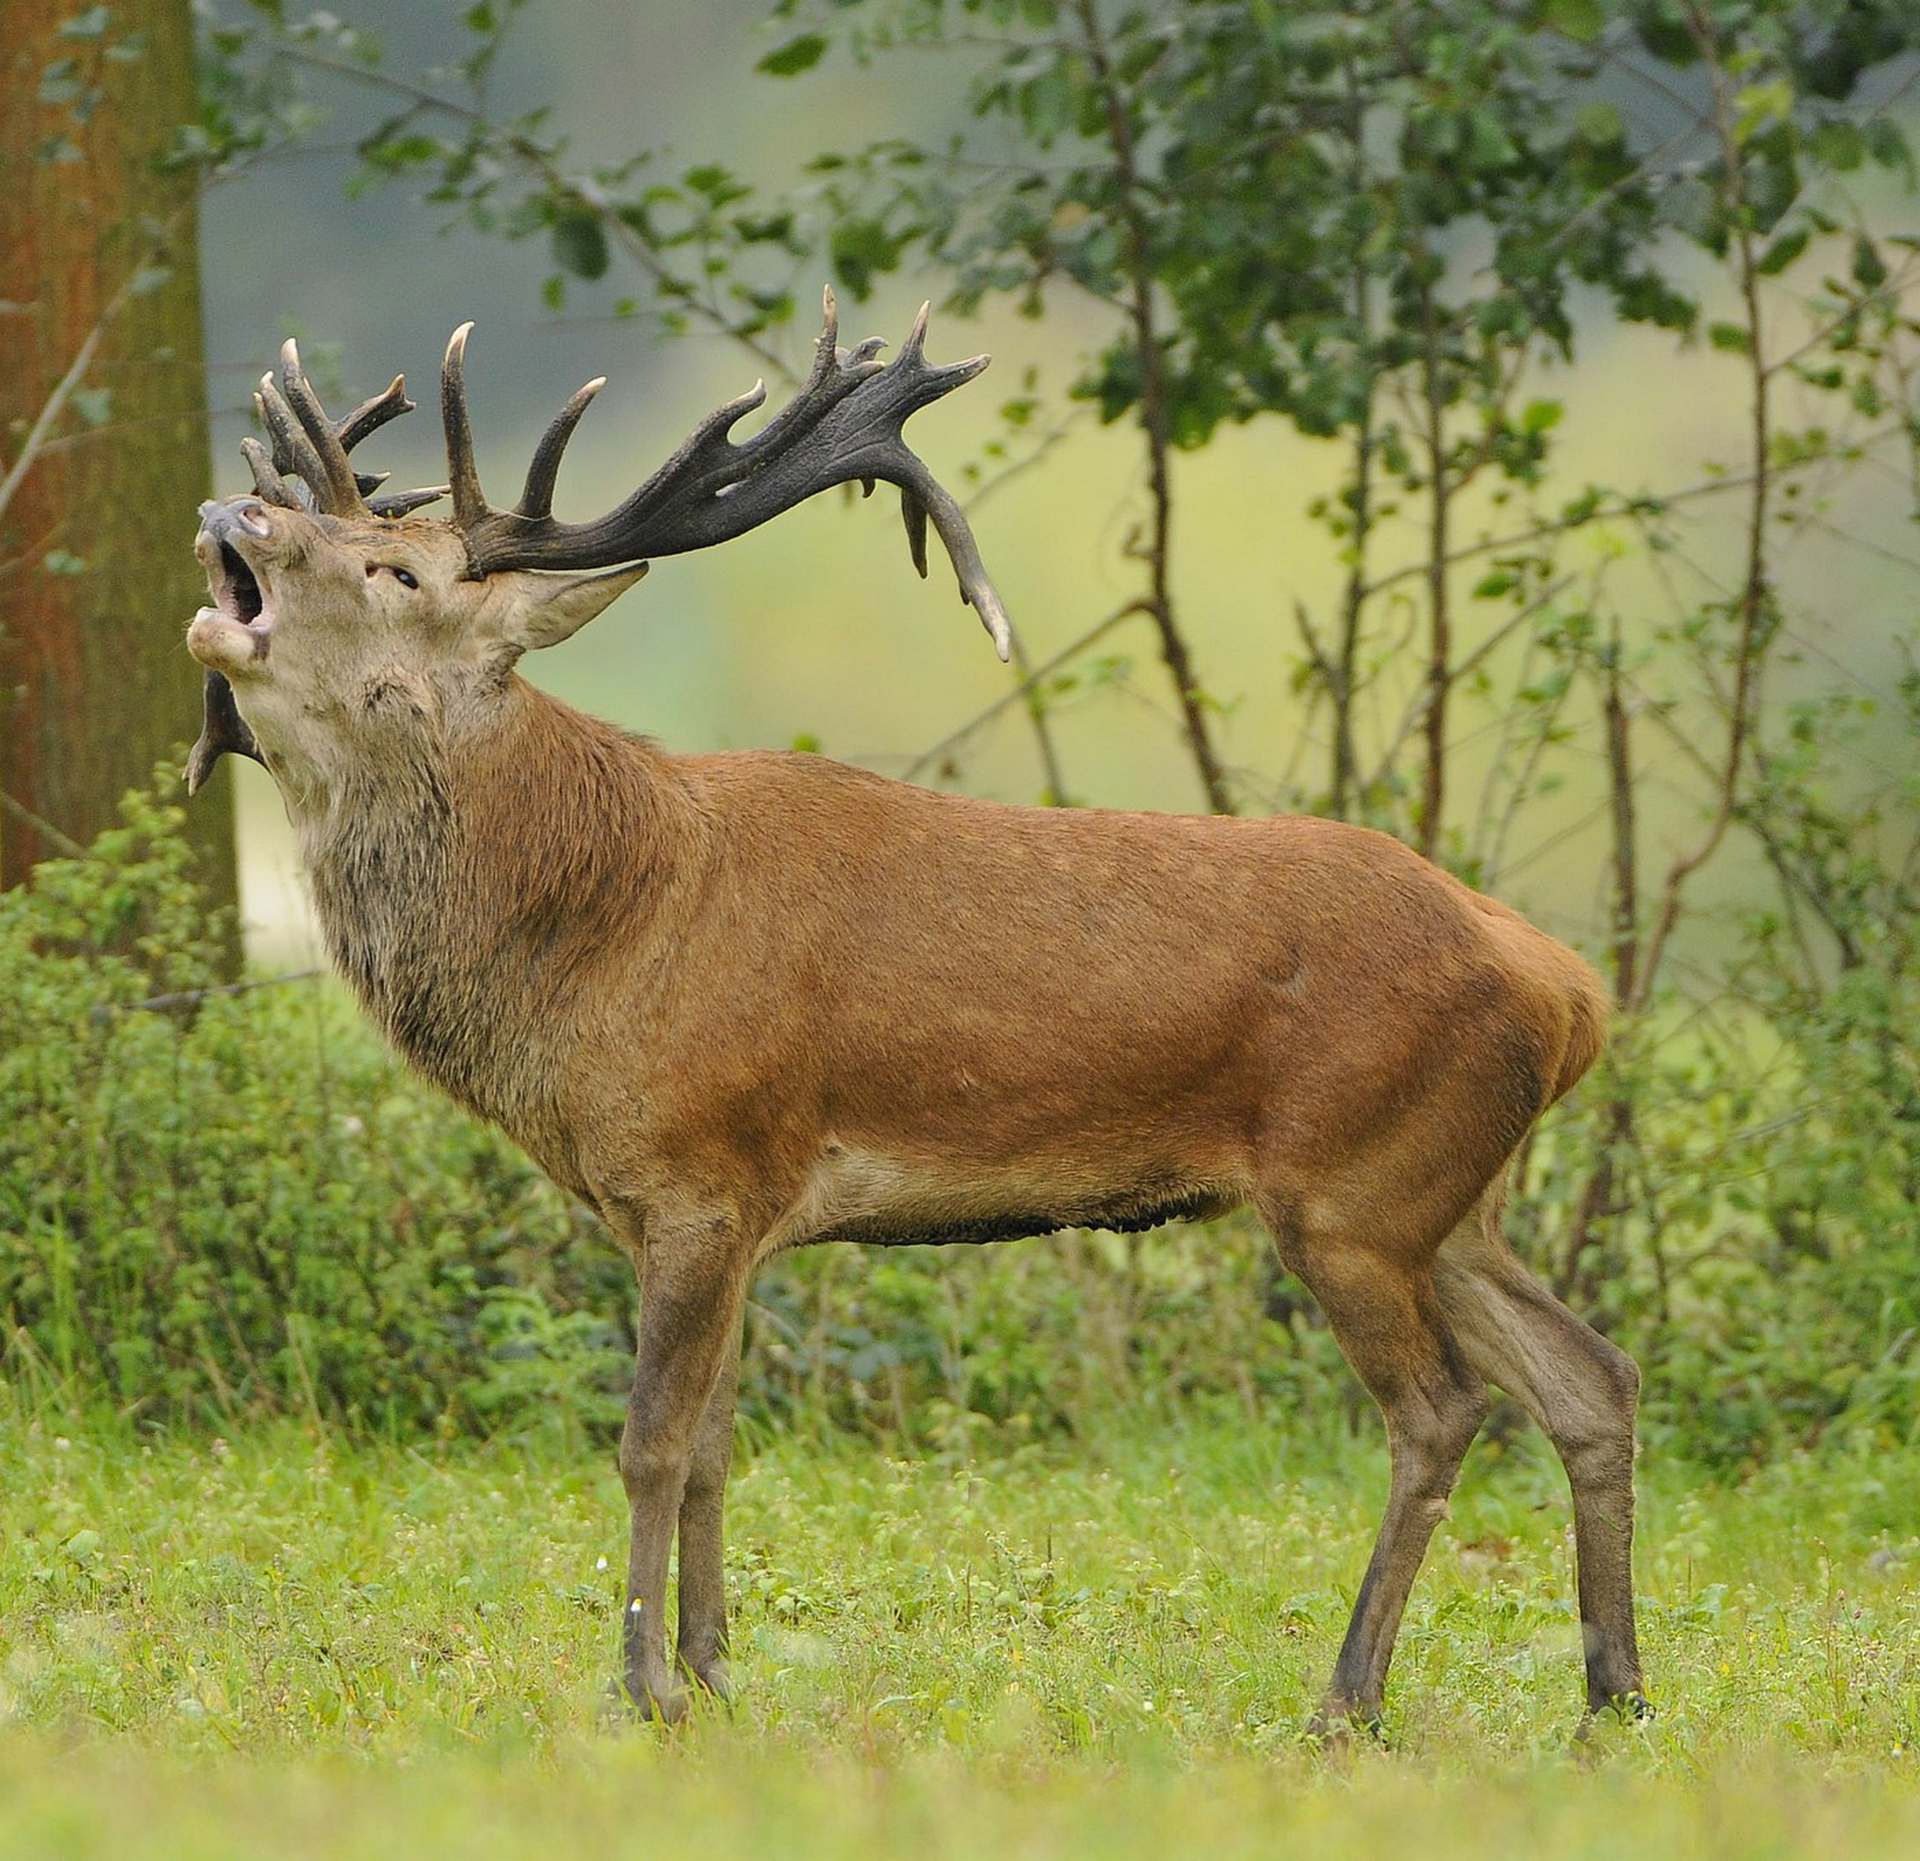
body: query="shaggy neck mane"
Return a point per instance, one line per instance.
(469, 895)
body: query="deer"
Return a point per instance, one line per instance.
(745, 1002)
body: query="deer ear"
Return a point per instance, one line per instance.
(534, 610)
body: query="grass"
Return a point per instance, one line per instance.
(291, 1645)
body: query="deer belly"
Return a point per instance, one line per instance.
(857, 1195)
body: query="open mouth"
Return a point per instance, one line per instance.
(240, 597)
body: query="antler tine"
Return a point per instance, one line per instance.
(927, 498)
(536, 496)
(308, 468)
(293, 451)
(389, 404)
(337, 490)
(469, 501)
(844, 424)
(835, 373)
(398, 503)
(266, 480)
(913, 350)
(914, 515)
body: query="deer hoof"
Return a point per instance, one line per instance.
(1333, 1727)
(712, 1676)
(1632, 1708)
(662, 1705)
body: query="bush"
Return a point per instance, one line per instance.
(237, 1202)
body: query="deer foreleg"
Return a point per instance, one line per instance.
(692, 1291)
(702, 1639)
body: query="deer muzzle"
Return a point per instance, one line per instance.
(234, 633)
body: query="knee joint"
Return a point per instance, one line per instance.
(647, 1463)
(1599, 1443)
(1437, 1431)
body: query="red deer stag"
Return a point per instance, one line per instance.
(740, 1003)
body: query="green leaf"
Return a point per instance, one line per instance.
(580, 245)
(797, 55)
(1886, 144)
(1784, 250)
(1731, 337)
(1488, 144)
(1839, 145)
(860, 248)
(63, 562)
(1761, 104)
(1868, 269)
(1580, 20)
(1599, 123)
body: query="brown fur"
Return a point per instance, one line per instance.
(746, 1002)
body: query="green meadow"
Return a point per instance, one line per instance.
(290, 1644)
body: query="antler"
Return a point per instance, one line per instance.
(308, 468)
(844, 424)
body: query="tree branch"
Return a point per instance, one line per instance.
(1153, 413)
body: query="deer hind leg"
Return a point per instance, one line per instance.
(693, 1282)
(701, 1643)
(1582, 1390)
(1387, 1318)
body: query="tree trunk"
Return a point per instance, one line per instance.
(98, 263)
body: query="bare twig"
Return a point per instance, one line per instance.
(1756, 595)
(539, 162)
(43, 827)
(1441, 486)
(928, 758)
(1341, 670)
(1634, 504)
(192, 998)
(1416, 706)
(1154, 412)
(55, 403)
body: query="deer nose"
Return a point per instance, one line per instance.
(219, 515)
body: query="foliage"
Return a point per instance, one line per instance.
(229, 1203)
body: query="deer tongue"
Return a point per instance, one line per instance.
(222, 731)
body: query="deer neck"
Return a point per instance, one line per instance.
(470, 895)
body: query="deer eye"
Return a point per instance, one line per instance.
(405, 577)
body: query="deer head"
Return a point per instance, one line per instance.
(341, 622)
